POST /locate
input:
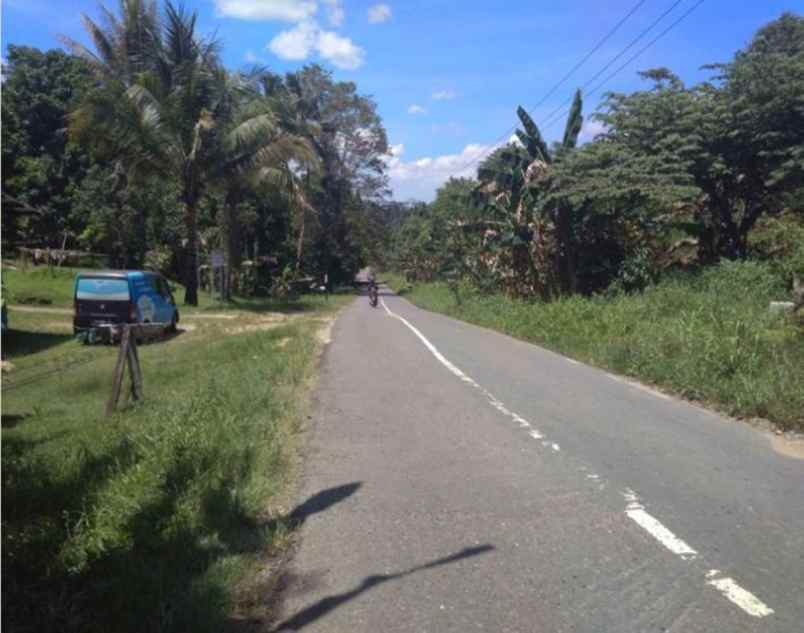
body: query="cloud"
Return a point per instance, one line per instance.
(297, 43)
(444, 95)
(335, 12)
(284, 10)
(379, 13)
(591, 128)
(416, 109)
(307, 37)
(341, 51)
(421, 177)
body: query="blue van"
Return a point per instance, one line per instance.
(122, 296)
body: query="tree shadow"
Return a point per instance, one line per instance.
(10, 420)
(161, 568)
(330, 603)
(21, 342)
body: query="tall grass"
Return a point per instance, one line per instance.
(151, 520)
(707, 337)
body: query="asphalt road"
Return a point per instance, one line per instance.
(459, 480)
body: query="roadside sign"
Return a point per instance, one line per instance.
(216, 259)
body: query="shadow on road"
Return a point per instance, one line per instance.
(322, 501)
(330, 603)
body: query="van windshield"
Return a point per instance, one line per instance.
(102, 289)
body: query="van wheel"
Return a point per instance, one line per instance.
(172, 327)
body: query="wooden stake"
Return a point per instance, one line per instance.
(119, 370)
(134, 369)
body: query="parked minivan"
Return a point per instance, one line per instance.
(122, 296)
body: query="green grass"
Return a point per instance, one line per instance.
(159, 518)
(708, 337)
(40, 286)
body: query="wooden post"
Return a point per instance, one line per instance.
(119, 370)
(134, 369)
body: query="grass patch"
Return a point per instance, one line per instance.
(156, 519)
(708, 337)
(54, 287)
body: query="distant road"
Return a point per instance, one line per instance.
(466, 481)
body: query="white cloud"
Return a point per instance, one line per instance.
(297, 43)
(341, 51)
(335, 12)
(444, 95)
(285, 10)
(416, 109)
(379, 13)
(420, 178)
(591, 128)
(307, 37)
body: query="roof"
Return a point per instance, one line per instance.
(119, 274)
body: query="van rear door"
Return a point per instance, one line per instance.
(102, 300)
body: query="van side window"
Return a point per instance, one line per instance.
(163, 287)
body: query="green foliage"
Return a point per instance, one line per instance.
(40, 166)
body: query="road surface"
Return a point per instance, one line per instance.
(459, 480)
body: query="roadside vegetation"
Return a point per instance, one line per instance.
(698, 335)
(162, 518)
(653, 250)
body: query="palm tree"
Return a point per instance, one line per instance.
(259, 148)
(161, 104)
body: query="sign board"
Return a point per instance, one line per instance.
(216, 259)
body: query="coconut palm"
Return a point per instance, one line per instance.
(260, 148)
(161, 105)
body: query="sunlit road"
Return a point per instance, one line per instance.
(461, 480)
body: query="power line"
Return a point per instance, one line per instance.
(547, 124)
(563, 79)
(610, 63)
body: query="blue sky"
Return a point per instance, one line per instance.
(447, 75)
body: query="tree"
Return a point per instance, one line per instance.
(740, 136)
(511, 179)
(160, 106)
(350, 141)
(41, 168)
(256, 150)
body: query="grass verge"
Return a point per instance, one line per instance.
(158, 518)
(708, 337)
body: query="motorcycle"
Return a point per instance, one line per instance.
(373, 295)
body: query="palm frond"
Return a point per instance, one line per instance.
(535, 144)
(574, 123)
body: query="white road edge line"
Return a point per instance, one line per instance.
(493, 401)
(743, 598)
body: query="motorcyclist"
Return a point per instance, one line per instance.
(372, 286)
